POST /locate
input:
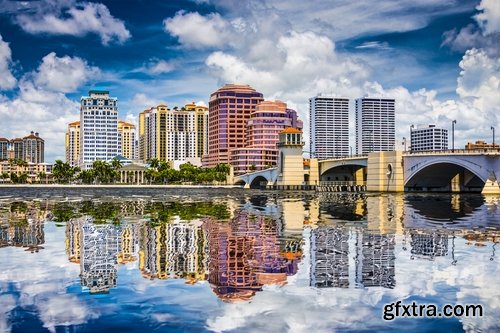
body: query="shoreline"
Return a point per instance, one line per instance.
(128, 186)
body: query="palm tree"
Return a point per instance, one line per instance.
(86, 176)
(154, 163)
(63, 172)
(103, 172)
(4, 175)
(23, 177)
(42, 175)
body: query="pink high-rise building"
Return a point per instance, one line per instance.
(229, 110)
(262, 134)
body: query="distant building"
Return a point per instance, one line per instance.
(16, 149)
(429, 138)
(173, 134)
(481, 145)
(34, 148)
(375, 125)
(30, 148)
(99, 128)
(262, 136)
(33, 171)
(72, 143)
(230, 108)
(126, 139)
(4, 149)
(329, 126)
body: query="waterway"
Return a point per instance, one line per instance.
(233, 260)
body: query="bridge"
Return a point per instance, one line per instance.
(439, 171)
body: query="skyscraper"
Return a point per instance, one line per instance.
(126, 139)
(72, 143)
(375, 125)
(173, 134)
(99, 128)
(329, 126)
(229, 110)
(262, 134)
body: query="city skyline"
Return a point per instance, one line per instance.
(439, 60)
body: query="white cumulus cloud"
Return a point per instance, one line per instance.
(78, 20)
(7, 80)
(64, 74)
(489, 18)
(197, 31)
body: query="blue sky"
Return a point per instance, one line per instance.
(440, 59)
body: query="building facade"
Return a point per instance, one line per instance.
(429, 138)
(230, 108)
(99, 128)
(262, 135)
(329, 126)
(30, 149)
(375, 125)
(479, 144)
(127, 140)
(33, 148)
(4, 149)
(72, 144)
(173, 134)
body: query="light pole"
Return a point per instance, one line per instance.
(453, 135)
(493, 129)
(411, 139)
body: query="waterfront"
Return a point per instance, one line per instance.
(146, 259)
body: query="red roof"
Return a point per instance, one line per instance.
(291, 130)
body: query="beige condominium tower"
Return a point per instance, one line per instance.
(173, 134)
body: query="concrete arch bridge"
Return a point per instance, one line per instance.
(438, 171)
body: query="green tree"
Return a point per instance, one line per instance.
(41, 175)
(63, 172)
(103, 172)
(14, 178)
(86, 176)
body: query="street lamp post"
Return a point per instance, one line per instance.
(411, 139)
(493, 129)
(453, 135)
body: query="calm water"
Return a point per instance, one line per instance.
(242, 261)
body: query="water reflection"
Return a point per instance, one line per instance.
(359, 251)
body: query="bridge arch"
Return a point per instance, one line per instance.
(259, 182)
(444, 175)
(343, 170)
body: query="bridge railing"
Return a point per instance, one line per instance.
(340, 183)
(455, 151)
(343, 157)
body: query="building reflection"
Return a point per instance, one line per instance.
(176, 250)
(330, 257)
(22, 225)
(428, 243)
(247, 253)
(375, 260)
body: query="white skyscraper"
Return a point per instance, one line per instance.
(99, 128)
(375, 125)
(429, 138)
(329, 126)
